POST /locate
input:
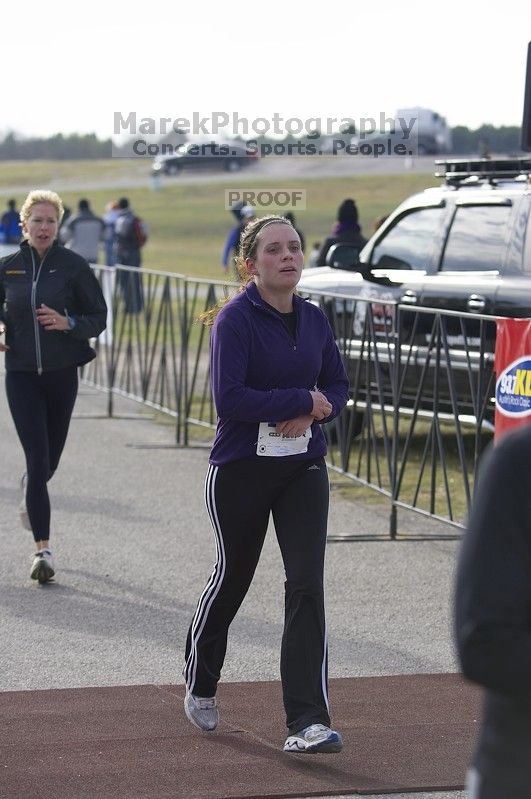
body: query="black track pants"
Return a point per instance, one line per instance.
(240, 497)
(41, 407)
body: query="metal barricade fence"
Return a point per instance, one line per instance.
(421, 383)
(421, 407)
(154, 351)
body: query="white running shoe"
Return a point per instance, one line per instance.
(42, 568)
(22, 508)
(201, 711)
(313, 739)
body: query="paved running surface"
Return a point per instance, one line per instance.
(134, 548)
(408, 732)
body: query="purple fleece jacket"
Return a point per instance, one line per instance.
(260, 373)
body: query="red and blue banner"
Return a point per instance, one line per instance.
(512, 363)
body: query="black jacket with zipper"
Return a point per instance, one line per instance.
(62, 280)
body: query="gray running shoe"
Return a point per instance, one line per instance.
(313, 739)
(201, 711)
(22, 508)
(42, 568)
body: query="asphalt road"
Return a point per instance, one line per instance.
(281, 168)
(134, 549)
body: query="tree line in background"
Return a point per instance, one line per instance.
(486, 138)
(54, 148)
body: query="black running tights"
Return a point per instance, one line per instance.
(41, 407)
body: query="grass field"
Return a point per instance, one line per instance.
(188, 224)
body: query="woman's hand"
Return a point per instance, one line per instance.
(3, 347)
(293, 428)
(51, 319)
(321, 407)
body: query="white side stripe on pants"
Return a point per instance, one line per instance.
(214, 583)
(324, 672)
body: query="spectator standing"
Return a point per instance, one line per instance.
(51, 304)
(244, 215)
(493, 618)
(233, 237)
(128, 253)
(346, 230)
(10, 223)
(110, 216)
(276, 375)
(83, 232)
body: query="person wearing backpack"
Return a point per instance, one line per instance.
(130, 237)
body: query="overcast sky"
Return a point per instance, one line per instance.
(71, 71)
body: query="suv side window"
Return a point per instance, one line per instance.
(409, 243)
(476, 241)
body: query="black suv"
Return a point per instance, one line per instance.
(462, 247)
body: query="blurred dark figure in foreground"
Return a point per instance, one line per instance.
(493, 618)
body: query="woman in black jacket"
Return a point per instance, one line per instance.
(51, 304)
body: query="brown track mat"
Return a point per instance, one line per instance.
(404, 733)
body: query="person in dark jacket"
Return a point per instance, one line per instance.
(10, 223)
(128, 253)
(51, 304)
(346, 230)
(493, 618)
(244, 214)
(276, 375)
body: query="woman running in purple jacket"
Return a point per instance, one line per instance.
(277, 375)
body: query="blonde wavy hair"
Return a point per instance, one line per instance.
(40, 196)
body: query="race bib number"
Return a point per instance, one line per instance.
(276, 445)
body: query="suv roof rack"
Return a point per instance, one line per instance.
(457, 169)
